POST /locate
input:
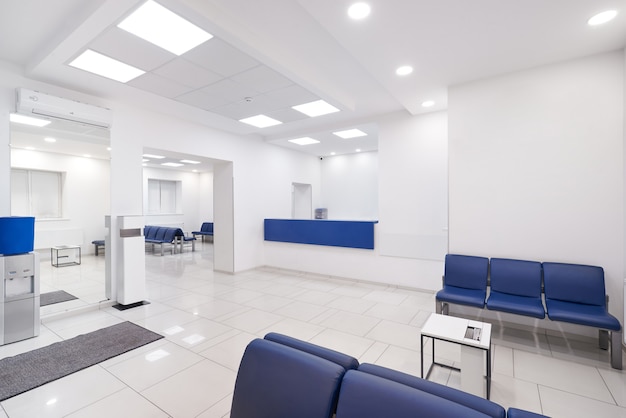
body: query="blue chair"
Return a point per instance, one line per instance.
(576, 294)
(516, 287)
(365, 395)
(464, 282)
(275, 380)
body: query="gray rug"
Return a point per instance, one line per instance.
(58, 296)
(29, 370)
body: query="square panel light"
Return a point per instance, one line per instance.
(164, 28)
(304, 141)
(28, 120)
(260, 121)
(350, 133)
(106, 67)
(316, 108)
(172, 164)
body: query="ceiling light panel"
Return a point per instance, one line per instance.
(172, 164)
(155, 156)
(350, 133)
(162, 27)
(104, 66)
(190, 161)
(404, 70)
(304, 141)
(260, 121)
(316, 108)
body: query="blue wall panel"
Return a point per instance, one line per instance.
(350, 234)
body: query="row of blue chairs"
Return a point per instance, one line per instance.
(564, 292)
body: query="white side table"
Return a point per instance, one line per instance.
(453, 329)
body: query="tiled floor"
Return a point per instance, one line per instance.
(207, 319)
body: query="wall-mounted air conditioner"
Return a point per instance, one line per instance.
(37, 104)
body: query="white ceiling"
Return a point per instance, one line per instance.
(278, 52)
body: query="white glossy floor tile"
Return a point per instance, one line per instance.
(64, 396)
(208, 318)
(555, 373)
(125, 403)
(150, 367)
(193, 390)
(560, 404)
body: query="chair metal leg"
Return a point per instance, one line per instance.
(603, 339)
(616, 350)
(438, 306)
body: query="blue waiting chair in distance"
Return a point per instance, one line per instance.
(464, 282)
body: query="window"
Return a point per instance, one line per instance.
(162, 196)
(36, 193)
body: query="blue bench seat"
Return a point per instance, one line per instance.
(516, 287)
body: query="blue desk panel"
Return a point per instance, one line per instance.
(350, 234)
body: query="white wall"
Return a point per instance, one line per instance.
(196, 195)
(85, 197)
(536, 166)
(350, 186)
(412, 209)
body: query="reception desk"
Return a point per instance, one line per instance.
(349, 234)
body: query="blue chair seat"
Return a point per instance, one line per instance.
(578, 313)
(462, 296)
(519, 413)
(521, 305)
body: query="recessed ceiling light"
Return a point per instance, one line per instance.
(160, 26)
(350, 133)
(358, 150)
(603, 17)
(158, 157)
(304, 141)
(316, 108)
(190, 162)
(333, 153)
(428, 103)
(260, 121)
(108, 148)
(104, 66)
(50, 139)
(404, 70)
(359, 10)
(28, 120)
(172, 164)
(145, 160)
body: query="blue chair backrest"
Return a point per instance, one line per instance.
(275, 380)
(516, 277)
(466, 271)
(207, 227)
(574, 283)
(179, 232)
(344, 360)
(160, 233)
(149, 231)
(170, 234)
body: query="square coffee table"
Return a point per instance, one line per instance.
(474, 337)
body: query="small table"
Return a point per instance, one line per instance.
(461, 331)
(65, 255)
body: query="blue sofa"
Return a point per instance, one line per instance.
(573, 293)
(206, 230)
(280, 376)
